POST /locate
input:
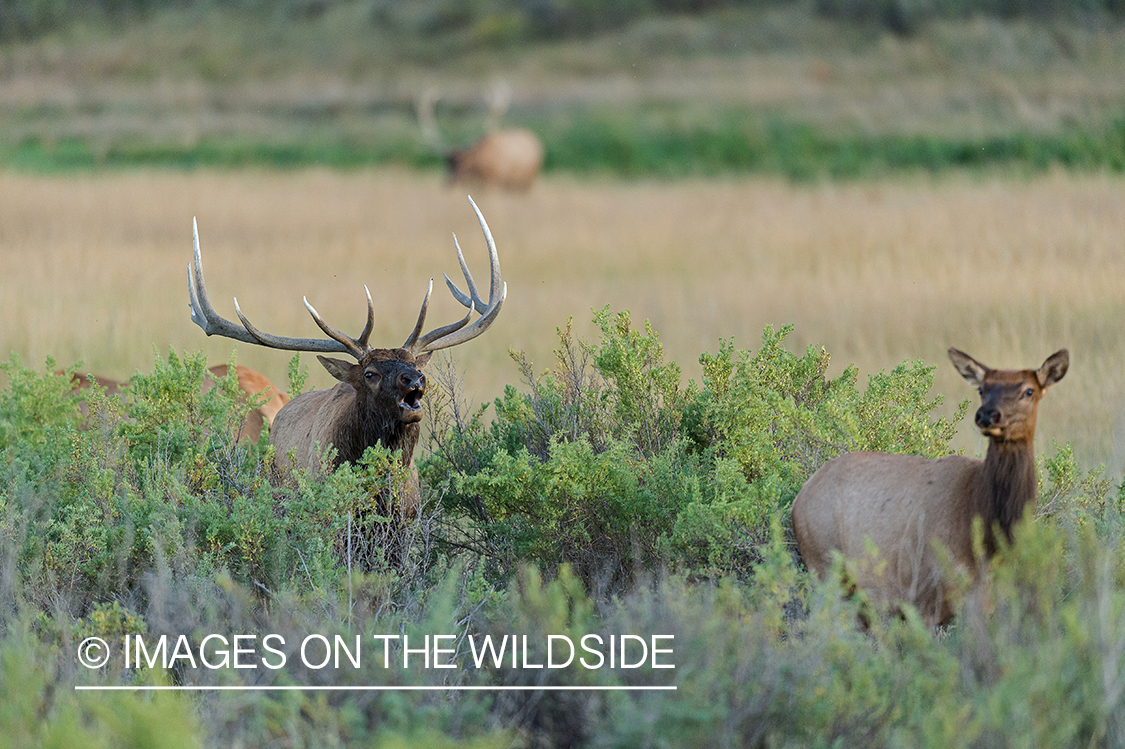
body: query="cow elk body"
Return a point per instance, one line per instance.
(378, 399)
(508, 158)
(903, 505)
(252, 384)
(80, 382)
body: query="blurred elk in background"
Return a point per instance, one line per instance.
(509, 158)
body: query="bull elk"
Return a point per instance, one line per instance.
(379, 399)
(509, 158)
(904, 504)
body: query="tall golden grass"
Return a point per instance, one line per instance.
(94, 268)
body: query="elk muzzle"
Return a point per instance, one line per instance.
(990, 417)
(411, 387)
(987, 418)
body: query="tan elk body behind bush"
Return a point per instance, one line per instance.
(903, 504)
(253, 384)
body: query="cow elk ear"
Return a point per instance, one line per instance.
(1054, 368)
(971, 369)
(338, 368)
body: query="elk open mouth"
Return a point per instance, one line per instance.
(411, 405)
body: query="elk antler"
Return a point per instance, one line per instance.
(424, 111)
(204, 315)
(499, 100)
(456, 333)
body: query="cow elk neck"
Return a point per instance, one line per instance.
(1006, 481)
(378, 399)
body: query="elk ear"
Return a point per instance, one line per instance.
(1054, 368)
(422, 359)
(338, 368)
(971, 369)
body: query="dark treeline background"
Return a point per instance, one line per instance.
(504, 21)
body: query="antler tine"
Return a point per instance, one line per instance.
(499, 100)
(451, 335)
(494, 264)
(424, 344)
(366, 334)
(427, 122)
(204, 315)
(473, 295)
(412, 341)
(202, 312)
(417, 342)
(460, 334)
(358, 348)
(493, 260)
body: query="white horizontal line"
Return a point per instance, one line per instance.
(266, 688)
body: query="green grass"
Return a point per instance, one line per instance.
(229, 153)
(736, 144)
(613, 143)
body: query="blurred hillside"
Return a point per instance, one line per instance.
(635, 87)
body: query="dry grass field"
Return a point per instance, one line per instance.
(1009, 269)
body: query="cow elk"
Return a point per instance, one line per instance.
(509, 158)
(80, 382)
(79, 385)
(905, 505)
(377, 400)
(253, 384)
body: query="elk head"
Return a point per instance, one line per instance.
(1009, 399)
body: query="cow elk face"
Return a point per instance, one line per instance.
(1009, 398)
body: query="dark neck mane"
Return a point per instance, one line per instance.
(366, 426)
(1007, 482)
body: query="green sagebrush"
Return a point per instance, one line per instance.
(605, 497)
(609, 462)
(164, 482)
